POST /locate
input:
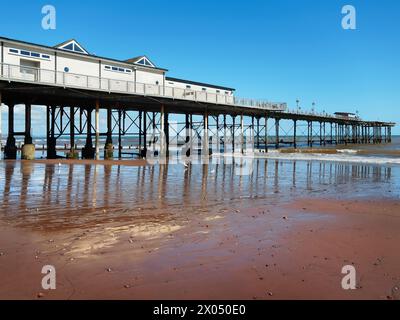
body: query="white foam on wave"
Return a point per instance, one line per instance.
(350, 151)
(341, 157)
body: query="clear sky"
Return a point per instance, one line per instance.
(280, 50)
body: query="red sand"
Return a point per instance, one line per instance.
(295, 251)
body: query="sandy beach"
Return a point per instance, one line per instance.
(200, 238)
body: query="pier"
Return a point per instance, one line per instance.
(139, 99)
(72, 111)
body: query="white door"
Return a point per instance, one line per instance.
(29, 70)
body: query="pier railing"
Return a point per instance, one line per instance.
(27, 74)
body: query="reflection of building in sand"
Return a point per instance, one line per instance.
(52, 196)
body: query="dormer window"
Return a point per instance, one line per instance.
(72, 46)
(142, 61)
(145, 62)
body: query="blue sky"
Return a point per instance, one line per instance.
(280, 50)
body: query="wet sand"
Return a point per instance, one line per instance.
(136, 162)
(194, 241)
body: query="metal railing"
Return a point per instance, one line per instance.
(22, 73)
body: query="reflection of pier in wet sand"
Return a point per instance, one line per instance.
(82, 192)
(123, 231)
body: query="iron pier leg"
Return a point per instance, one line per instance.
(97, 130)
(10, 149)
(218, 147)
(28, 124)
(144, 151)
(276, 133)
(336, 133)
(166, 132)
(140, 133)
(233, 134)
(119, 133)
(187, 129)
(241, 134)
(225, 137)
(72, 129)
(88, 152)
(320, 133)
(109, 148)
(51, 140)
(191, 134)
(206, 148)
(266, 134)
(258, 133)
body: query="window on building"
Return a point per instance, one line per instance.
(69, 47)
(77, 48)
(66, 69)
(145, 62)
(218, 91)
(157, 83)
(188, 87)
(27, 53)
(204, 89)
(117, 69)
(72, 45)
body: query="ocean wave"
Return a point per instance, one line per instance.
(351, 158)
(350, 151)
(340, 157)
